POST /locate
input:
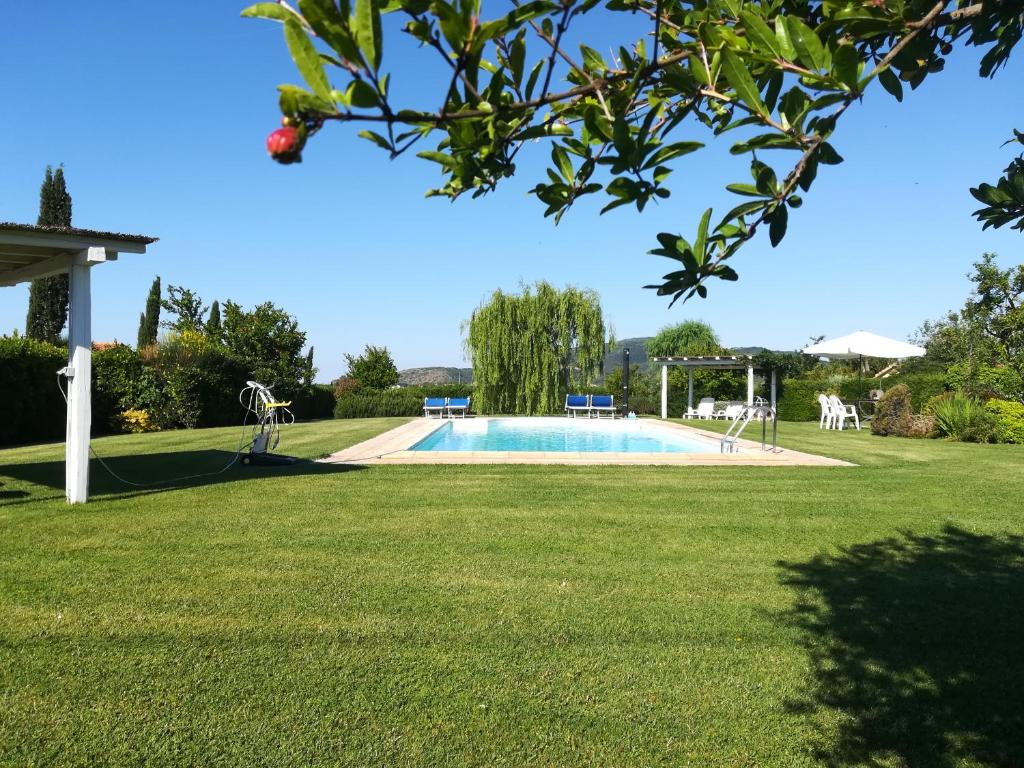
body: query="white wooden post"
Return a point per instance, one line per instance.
(773, 387)
(750, 384)
(664, 391)
(79, 399)
(689, 390)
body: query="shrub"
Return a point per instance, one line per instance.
(200, 383)
(136, 421)
(1009, 420)
(963, 418)
(922, 425)
(121, 382)
(892, 413)
(371, 403)
(987, 381)
(346, 385)
(34, 409)
(923, 387)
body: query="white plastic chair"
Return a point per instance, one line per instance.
(732, 410)
(828, 416)
(706, 408)
(843, 412)
(700, 411)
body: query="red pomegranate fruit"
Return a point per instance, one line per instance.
(282, 142)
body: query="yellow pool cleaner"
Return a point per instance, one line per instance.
(269, 415)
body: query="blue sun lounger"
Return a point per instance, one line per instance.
(458, 405)
(434, 405)
(602, 404)
(576, 403)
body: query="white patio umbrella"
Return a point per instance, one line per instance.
(864, 344)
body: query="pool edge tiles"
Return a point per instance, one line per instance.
(395, 447)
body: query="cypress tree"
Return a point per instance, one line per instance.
(149, 322)
(310, 370)
(213, 326)
(141, 339)
(48, 296)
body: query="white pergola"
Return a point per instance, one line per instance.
(717, 362)
(28, 253)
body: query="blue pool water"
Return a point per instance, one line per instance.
(561, 435)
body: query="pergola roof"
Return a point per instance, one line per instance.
(727, 362)
(28, 252)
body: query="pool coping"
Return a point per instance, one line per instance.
(392, 447)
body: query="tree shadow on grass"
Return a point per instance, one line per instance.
(156, 472)
(917, 650)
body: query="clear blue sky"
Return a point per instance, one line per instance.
(159, 113)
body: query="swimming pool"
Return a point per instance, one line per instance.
(557, 435)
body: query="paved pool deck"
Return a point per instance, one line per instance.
(392, 447)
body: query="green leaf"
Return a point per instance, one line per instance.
(517, 57)
(273, 11)
(306, 59)
(377, 139)
(295, 100)
(328, 23)
(531, 82)
(846, 63)
(739, 78)
(759, 33)
(592, 60)
(810, 51)
(827, 155)
(368, 34)
(891, 83)
(745, 189)
(777, 225)
(775, 82)
(361, 94)
(765, 179)
(439, 157)
(561, 159)
(724, 272)
(531, 10)
(671, 152)
(783, 39)
(742, 210)
(701, 243)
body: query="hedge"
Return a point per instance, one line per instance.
(370, 403)
(316, 403)
(34, 409)
(799, 398)
(188, 382)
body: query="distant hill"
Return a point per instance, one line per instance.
(637, 353)
(437, 375)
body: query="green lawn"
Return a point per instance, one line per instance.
(514, 615)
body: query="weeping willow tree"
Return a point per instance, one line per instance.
(528, 349)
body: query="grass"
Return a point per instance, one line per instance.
(514, 615)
